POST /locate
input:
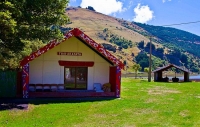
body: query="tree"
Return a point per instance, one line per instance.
(109, 47)
(146, 69)
(105, 30)
(28, 20)
(8, 26)
(125, 63)
(153, 47)
(143, 60)
(136, 68)
(176, 53)
(125, 46)
(141, 45)
(12, 61)
(184, 59)
(90, 8)
(160, 50)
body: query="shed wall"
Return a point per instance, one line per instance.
(46, 70)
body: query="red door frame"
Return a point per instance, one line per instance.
(115, 80)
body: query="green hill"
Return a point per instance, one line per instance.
(130, 40)
(172, 37)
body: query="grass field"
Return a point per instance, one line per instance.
(142, 104)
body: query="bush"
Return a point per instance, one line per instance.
(90, 8)
(109, 47)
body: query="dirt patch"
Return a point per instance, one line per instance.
(145, 111)
(99, 115)
(162, 90)
(150, 100)
(197, 96)
(184, 113)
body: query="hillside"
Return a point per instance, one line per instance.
(173, 37)
(124, 39)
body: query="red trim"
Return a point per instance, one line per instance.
(77, 33)
(115, 80)
(76, 63)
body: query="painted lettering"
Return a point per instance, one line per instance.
(70, 53)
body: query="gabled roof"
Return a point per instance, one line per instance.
(80, 35)
(170, 66)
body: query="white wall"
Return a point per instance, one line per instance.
(46, 70)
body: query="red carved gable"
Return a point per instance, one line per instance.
(79, 34)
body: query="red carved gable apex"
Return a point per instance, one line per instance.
(79, 34)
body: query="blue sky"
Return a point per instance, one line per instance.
(153, 12)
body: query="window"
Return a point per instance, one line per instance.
(76, 78)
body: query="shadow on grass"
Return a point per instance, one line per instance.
(13, 104)
(143, 80)
(175, 82)
(38, 101)
(22, 104)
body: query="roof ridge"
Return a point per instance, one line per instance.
(77, 33)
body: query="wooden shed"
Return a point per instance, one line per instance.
(158, 73)
(74, 67)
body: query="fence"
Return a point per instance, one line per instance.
(8, 83)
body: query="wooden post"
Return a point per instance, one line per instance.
(149, 74)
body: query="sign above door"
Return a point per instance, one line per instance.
(70, 53)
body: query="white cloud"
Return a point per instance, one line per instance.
(143, 14)
(104, 6)
(165, 0)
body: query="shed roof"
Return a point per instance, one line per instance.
(80, 35)
(170, 66)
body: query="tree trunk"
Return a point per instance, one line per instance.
(135, 74)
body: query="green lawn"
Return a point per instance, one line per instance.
(142, 104)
